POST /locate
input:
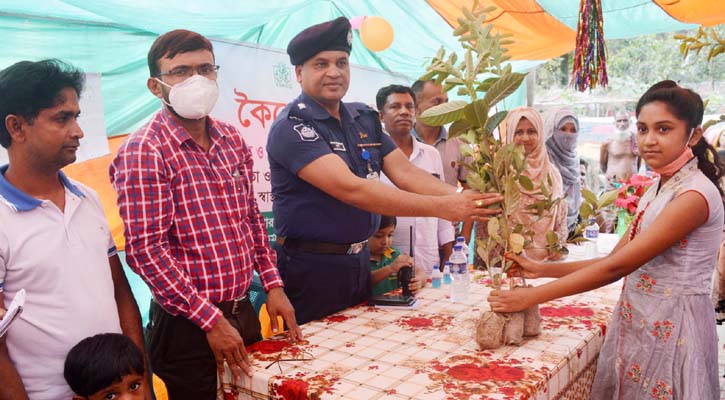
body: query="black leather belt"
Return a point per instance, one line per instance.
(232, 307)
(317, 247)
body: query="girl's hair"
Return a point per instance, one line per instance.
(687, 106)
(386, 221)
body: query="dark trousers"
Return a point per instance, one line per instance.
(180, 354)
(318, 285)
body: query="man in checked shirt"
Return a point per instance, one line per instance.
(192, 226)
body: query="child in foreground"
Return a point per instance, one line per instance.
(105, 366)
(385, 261)
(661, 342)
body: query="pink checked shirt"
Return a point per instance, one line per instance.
(192, 225)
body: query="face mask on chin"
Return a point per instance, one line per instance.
(674, 166)
(193, 98)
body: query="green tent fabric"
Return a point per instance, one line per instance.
(622, 18)
(113, 36)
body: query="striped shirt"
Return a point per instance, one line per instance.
(193, 229)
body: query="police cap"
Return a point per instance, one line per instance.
(330, 35)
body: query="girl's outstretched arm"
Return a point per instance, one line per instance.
(682, 216)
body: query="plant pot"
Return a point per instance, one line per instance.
(532, 321)
(489, 330)
(513, 331)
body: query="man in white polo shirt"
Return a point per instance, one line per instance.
(433, 236)
(54, 239)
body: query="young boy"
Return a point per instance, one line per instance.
(105, 366)
(385, 261)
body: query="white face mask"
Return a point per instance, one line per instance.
(193, 98)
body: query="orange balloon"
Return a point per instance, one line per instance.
(376, 33)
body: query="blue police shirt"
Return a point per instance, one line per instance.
(303, 132)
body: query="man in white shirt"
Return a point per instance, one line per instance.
(428, 94)
(433, 237)
(54, 238)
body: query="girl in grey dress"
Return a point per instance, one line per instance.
(661, 342)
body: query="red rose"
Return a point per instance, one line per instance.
(418, 322)
(469, 372)
(336, 318)
(506, 373)
(269, 346)
(566, 311)
(293, 389)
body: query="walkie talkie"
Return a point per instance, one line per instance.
(407, 273)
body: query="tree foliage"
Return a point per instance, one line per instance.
(635, 64)
(483, 75)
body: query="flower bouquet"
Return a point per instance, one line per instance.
(628, 195)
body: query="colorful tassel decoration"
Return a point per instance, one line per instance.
(590, 57)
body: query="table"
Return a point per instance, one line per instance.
(428, 352)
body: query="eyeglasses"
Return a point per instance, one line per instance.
(622, 120)
(186, 71)
(301, 355)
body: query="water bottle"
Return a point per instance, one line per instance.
(462, 241)
(459, 275)
(447, 273)
(436, 277)
(591, 233)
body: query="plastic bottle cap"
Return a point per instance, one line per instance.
(457, 247)
(460, 239)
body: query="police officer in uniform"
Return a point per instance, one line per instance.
(325, 158)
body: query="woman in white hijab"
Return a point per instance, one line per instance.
(562, 132)
(525, 127)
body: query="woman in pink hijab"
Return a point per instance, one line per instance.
(525, 127)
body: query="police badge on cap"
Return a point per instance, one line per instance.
(330, 35)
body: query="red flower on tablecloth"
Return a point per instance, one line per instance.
(645, 283)
(302, 386)
(635, 373)
(661, 391)
(335, 319)
(423, 321)
(470, 372)
(293, 389)
(663, 330)
(506, 373)
(468, 377)
(566, 311)
(269, 346)
(572, 316)
(625, 311)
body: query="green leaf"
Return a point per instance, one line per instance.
(494, 121)
(457, 128)
(443, 113)
(526, 183)
(585, 211)
(589, 195)
(476, 113)
(493, 228)
(607, 198)
(552, 238)
(475, 181)
(506, 85)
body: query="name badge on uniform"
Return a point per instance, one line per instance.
(306, 132)
(337, 146)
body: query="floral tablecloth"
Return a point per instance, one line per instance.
(428, 352)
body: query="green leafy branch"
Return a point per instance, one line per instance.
(483, 75)
(706, 38)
